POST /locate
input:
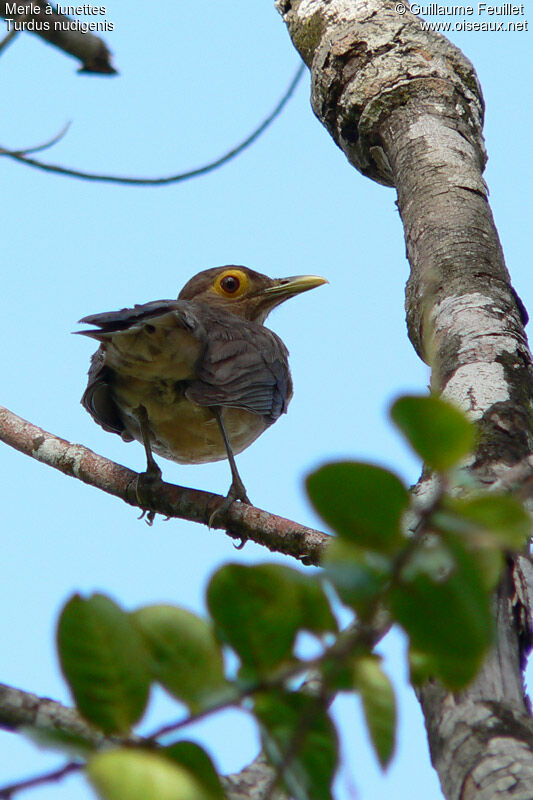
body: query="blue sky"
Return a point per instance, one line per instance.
(194, 80)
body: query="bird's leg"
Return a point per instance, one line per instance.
(152, 469)
(151, 478)
(236, 490)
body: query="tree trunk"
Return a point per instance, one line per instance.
(406, 108)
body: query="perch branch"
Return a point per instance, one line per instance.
(241, 521)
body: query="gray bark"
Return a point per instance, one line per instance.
(406, 108)
(24, 710)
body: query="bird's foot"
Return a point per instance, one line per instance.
(147, 483)
(236, 492)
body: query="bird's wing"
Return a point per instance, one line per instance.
(98, 400)
(158, 340)
(244, 365)
(128, 319)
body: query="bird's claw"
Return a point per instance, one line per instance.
(147, 482)
(150, 516)
(236, 492)
(241, 543)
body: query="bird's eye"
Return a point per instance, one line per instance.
(230, 284)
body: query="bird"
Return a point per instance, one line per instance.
(196, 379)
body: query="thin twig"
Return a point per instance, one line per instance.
(12, 34)
(6, 792)
(8, 38)
(17, 155)
(49, 143)
(296, 742)
(348, 640)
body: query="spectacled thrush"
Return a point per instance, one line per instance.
(195, 379)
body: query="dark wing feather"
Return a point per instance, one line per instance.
(98, 400)
(244, 365)
(112, 321)
(98, 397)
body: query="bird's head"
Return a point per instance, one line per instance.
(244, 292)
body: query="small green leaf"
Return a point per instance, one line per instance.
(260, 609)
(379, 705)
(256, 611)
(136, 774)
(442, 603)
(357, 575)
(436, 430)
(293, 724)
(315, 611)
(197, 762)
(363, 503)
(104, 662)
(490, 563)
(489, 520)
(185, 656)
(54, 739)
(421, 665)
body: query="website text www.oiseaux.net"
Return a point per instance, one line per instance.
(489, 18)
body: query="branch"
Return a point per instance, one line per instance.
(240, 521)
(252, 782)
(37, 148)
(19, 155)
(56, 775)
(8, 38)
(20, 709)
(89, 49)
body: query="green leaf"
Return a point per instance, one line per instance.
(104, 662)
(436, 430)
(441, 601)
(63, 741)
(256, 611)
(185, 656)
(293, 724)
(357, 575)
(488, 520)
(315, 614)
(421, 666)
(260, 609)
(379, 705)
(490, 563)
(135, 774)
(363, 503)
(197, 762)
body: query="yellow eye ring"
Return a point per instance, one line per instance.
(232, 283)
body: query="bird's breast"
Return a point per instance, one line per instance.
(181, 430)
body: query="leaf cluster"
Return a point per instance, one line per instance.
(433, 577)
